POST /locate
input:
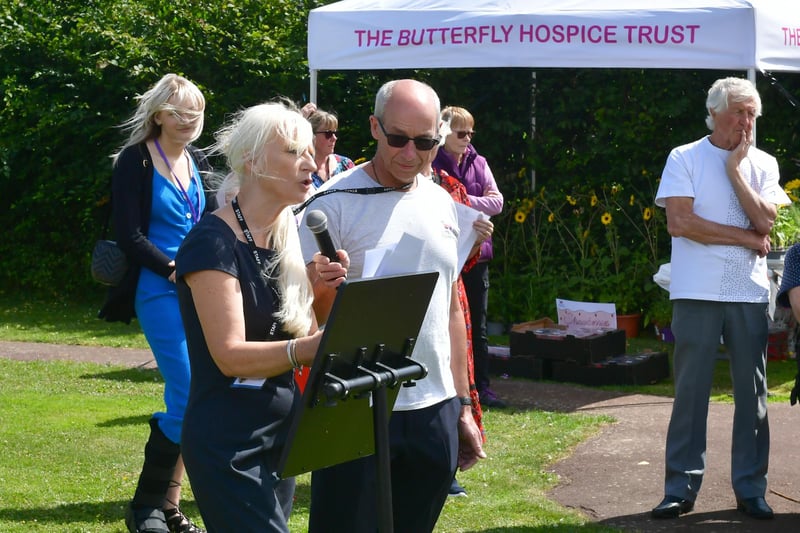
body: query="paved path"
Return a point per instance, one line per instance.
(616, 477)
(93, 354)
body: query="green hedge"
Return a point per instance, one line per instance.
(70, 71)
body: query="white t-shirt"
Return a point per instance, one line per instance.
(711, 272)
(358, 223)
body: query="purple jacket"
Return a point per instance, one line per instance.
(478, 179)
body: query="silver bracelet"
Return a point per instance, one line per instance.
(291, 353)
(294, 354)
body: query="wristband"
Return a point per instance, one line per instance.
(465, 400)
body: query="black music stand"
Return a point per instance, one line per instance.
(363, 359)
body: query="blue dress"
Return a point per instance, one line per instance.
(156, 301)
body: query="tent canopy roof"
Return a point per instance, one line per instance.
(711, 34)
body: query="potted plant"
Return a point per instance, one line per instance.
(659, 314)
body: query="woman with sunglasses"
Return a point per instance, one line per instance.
(158, 196)
(460, 159)
(326, 134)
(484, 228)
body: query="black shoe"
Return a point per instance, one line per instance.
(145, 520)
(755, 507)
(177, 522)
(488, 399)
(672, 507)
(456, 490)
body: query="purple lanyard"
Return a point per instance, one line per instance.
(192, 208)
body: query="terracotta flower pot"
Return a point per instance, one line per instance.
(630, 323)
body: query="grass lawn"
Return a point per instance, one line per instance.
(72, 436)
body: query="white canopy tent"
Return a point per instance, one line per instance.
(692, 34)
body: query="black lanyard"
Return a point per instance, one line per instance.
(247, 235)
(254, 250)
(361, 190)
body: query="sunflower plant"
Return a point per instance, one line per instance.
(599, 244)
(786, 229)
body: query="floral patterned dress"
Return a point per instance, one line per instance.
(459, 194)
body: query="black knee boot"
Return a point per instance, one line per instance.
(160, 457)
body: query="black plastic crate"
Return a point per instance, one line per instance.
(550, 344)
(521, 366)
(632, 369)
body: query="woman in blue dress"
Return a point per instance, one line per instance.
(157, 196)
(246, 304)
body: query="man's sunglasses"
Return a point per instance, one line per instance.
(328, 133)
(463, 133)
(423, 144)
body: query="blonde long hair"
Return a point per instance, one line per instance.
(242, 143)
(142, 127)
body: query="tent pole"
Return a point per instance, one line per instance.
(751, 75)
(313, 88)
(533, 123)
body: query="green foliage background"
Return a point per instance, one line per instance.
(69, 72)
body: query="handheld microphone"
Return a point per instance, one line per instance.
(317, 222)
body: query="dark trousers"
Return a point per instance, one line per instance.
(476, 284)
(423, 449)
(697, 326)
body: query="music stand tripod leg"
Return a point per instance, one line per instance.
(380, 419)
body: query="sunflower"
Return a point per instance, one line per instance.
(647, 214)
(792, 185)
(571, 200)
(594, 200)
(551, 218)
(606, 218)
(527, 205)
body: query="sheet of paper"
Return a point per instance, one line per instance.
(373, 259)
(467, 234)
(403, 258)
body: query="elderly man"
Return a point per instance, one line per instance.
(432, 430)
(720, 195)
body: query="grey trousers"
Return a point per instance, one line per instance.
(697, 326)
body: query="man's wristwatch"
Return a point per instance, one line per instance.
(465, 400)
